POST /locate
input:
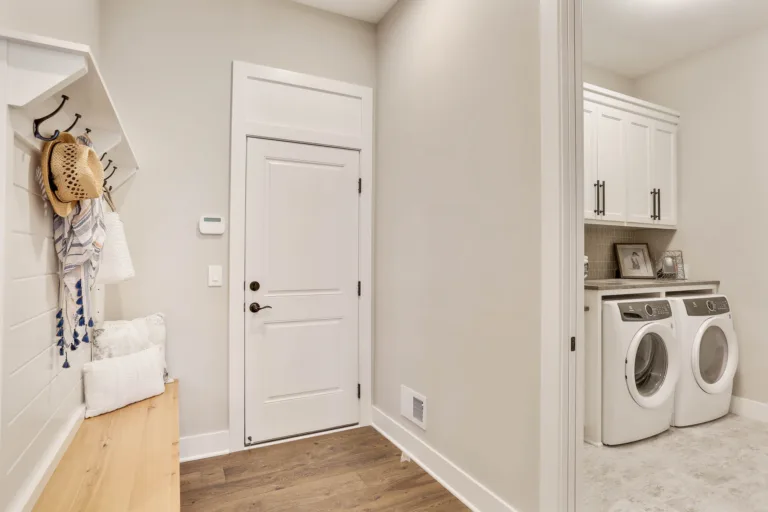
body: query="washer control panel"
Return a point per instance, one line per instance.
(645, 310)
(707, 306)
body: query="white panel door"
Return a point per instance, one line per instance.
(611, 163)
(590, 160)
(665, 171)
(301, 353)
(638, 132)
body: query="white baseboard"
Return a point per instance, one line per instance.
(471, 492)
(204, 445)
(749, 408)
(27, 497)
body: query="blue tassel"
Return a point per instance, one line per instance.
(90, 322)
(79, 301)
(60, 332)
(66, 362)
(79, 293)
(60, 343)
(79, 284)
(80, 311)
(59, 314)
(75, 334)
(61, 351)
(86, 339)
(60, 323)
(82, 321)
(73, 347)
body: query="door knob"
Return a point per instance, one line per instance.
(255, 286)
(255, 307)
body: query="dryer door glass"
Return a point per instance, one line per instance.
(713, 354)
(651, 363)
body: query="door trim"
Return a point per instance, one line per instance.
(347, 110)
(562, 249)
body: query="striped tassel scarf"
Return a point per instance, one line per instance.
(79, 239)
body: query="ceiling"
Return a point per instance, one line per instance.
(366, 10)
(634, 37)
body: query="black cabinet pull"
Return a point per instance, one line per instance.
(602, 212)
(653, 199)
(658, 198)
(596, 186)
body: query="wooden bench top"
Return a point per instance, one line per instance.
(123, 461)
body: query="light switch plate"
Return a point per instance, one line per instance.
(214, 275)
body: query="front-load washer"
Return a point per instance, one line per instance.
(710, 355)
(640, 366)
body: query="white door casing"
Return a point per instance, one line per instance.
(271, 103)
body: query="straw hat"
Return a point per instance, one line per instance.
(70, 172)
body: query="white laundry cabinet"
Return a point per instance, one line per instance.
(630, 160)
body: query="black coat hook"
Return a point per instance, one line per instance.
(114, 170)
(77, 118)
(106, 167)
(87, 131)
(102, 157)
(37, 122)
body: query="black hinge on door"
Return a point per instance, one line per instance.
(358, 391)
(359, 289)
(360, 185)
(573, 343)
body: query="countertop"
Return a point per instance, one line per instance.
(629, 284)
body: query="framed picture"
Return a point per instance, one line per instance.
(634, 261)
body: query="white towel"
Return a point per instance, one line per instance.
(116, 264)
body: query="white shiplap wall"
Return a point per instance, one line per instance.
(38, 396)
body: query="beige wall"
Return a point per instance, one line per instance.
(723, 157)
(608, 79)
(170, 76)
(74, 20)
(458, 232)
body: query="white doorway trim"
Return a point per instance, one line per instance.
(562, 249)
(283, 105)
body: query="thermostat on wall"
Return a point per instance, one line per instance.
(212, 225)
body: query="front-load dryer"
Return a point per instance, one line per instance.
(710, 356)
(640, 367)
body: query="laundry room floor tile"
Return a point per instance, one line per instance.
(720, 466)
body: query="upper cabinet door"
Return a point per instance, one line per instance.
(590, 160)
(611, 163)
(664, 165)
(638, 137)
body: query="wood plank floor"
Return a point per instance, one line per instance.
(352, 470)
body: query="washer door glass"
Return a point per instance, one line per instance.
(651, 364)
(713, 354)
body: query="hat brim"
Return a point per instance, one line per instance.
(61, 208)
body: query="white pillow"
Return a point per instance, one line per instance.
(122, 337)
(119, 338)
(118, 381)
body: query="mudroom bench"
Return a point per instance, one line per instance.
(123, 461)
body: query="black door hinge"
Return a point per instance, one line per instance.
(573, 344)
(359, 289)
(360, 185)
(358, 391)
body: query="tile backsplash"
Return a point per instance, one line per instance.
(599, 240)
